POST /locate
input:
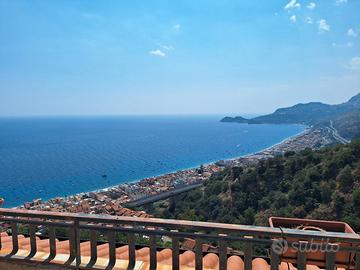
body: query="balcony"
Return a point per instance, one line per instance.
(50, 240)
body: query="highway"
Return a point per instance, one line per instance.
(161, 196)
(336, 134)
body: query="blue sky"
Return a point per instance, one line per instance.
(76, 57)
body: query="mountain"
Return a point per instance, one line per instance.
(311, 114)
(354, 101)
(308, 113)
(237, 119)
(300, 114)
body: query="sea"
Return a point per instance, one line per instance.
(45, 157)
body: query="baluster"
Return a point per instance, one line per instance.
(274, 260)
(223, 253)
(112, 249)
(330, 256)
(52, 241)
(198, 254)
(33, 248)
(93, 247)
(71, 246)
(248, 250)
(301, 255)
(131, 245)
(77, 243)
(74, 242)
(175, 252)
(15, 240)
(52, 244)
(153, 259)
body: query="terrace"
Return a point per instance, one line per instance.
(111, 242)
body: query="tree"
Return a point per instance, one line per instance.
(189, 214)
(338, 199)
(249, 215)
(345, 178)
(356, 199)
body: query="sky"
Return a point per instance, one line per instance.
(233, 57)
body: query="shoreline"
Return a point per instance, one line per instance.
(110, 200)
(307, 128)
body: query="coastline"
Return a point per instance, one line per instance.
(110, 200)
(307, 128)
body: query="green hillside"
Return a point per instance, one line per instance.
(348, 124)
(323, 184)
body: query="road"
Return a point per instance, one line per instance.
(336, 134)
(161, 196)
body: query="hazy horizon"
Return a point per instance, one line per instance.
(184, 114)
(90, 58)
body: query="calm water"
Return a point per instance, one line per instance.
(48, 157)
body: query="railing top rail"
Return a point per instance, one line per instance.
(184, 224)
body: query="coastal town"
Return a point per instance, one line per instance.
(113, 200)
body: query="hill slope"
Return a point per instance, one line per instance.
(312, 114)
(322, 184)
(348, 124)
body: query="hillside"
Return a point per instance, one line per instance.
(312, 114)
(348, 124)
(323, 184)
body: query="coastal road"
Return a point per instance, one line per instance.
(336, 134)
(161, 196)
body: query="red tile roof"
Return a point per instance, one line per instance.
(164, 257)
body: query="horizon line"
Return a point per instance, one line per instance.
(128, 115)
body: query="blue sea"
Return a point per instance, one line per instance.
(49, 157)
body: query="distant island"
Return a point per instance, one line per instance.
(345, 117)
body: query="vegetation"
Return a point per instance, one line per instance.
(323, 184)
(348, 124)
